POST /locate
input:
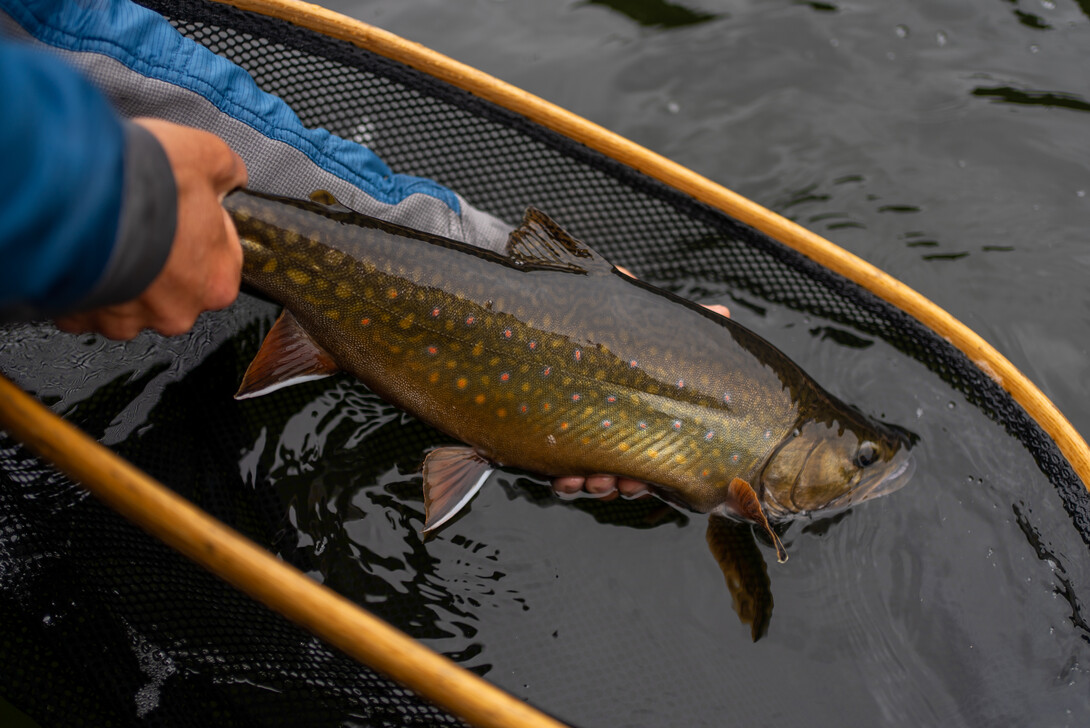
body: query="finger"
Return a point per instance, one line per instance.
(719, 309)
(632, 488)
(568, 485)
(234, 175)
(600, 484)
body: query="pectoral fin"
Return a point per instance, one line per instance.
(749, 507)
(452, 476)
(744, 569)
(287, 356)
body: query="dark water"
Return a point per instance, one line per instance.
(943, 142)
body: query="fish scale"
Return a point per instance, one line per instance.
(548, 359)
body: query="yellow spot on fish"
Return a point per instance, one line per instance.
(333, 257)
(479, 399)
(298, 277)
(563, 425)
(343, 290)
(623, 447)
(525, 386)
(270, 266)
(395, 349)
(478, 349)
(652, 453)
(433, 377)
(391, 293)
(333, 314)
(501, 412)
(462, 383)
(679, 459)
(406, 322)
(451, 364)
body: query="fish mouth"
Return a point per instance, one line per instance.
(893, 476)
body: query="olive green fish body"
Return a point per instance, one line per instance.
(548, 359)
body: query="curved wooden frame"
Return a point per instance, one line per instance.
(813, 246)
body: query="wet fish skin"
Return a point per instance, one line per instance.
(553, 361)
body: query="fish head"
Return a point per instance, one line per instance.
(827, 465)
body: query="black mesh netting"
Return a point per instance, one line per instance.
(189, 648)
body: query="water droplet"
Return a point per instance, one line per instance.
(673, 107)
(941, 38)
(901, 31)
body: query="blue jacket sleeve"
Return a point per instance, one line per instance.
(69, 164)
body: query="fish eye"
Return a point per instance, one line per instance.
(866, 455)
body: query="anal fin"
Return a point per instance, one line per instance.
(452, 476)
(287, 356)
(749, 507)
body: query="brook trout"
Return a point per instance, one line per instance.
(551, 360)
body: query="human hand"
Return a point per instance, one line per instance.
(204, 268)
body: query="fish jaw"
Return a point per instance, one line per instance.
(864, 486)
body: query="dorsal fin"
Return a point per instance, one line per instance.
(287, 356)
(542, 244)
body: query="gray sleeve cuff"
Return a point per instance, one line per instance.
(145, 231)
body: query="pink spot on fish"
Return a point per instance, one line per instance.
(470, 320)
(611, 399)
(546, 371)
(633, 364)
(435, 312)
(680, 383)
(677, 424)
(505, 376)
(576, 397)
(507, 333)
(606, 423)
(710, 435)
(579, 355)
(433, 350)
(642, 425)
(532, 345)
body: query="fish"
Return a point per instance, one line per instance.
(551, 360)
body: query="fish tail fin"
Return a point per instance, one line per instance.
(452, 476)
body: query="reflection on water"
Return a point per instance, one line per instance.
(657, 13)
